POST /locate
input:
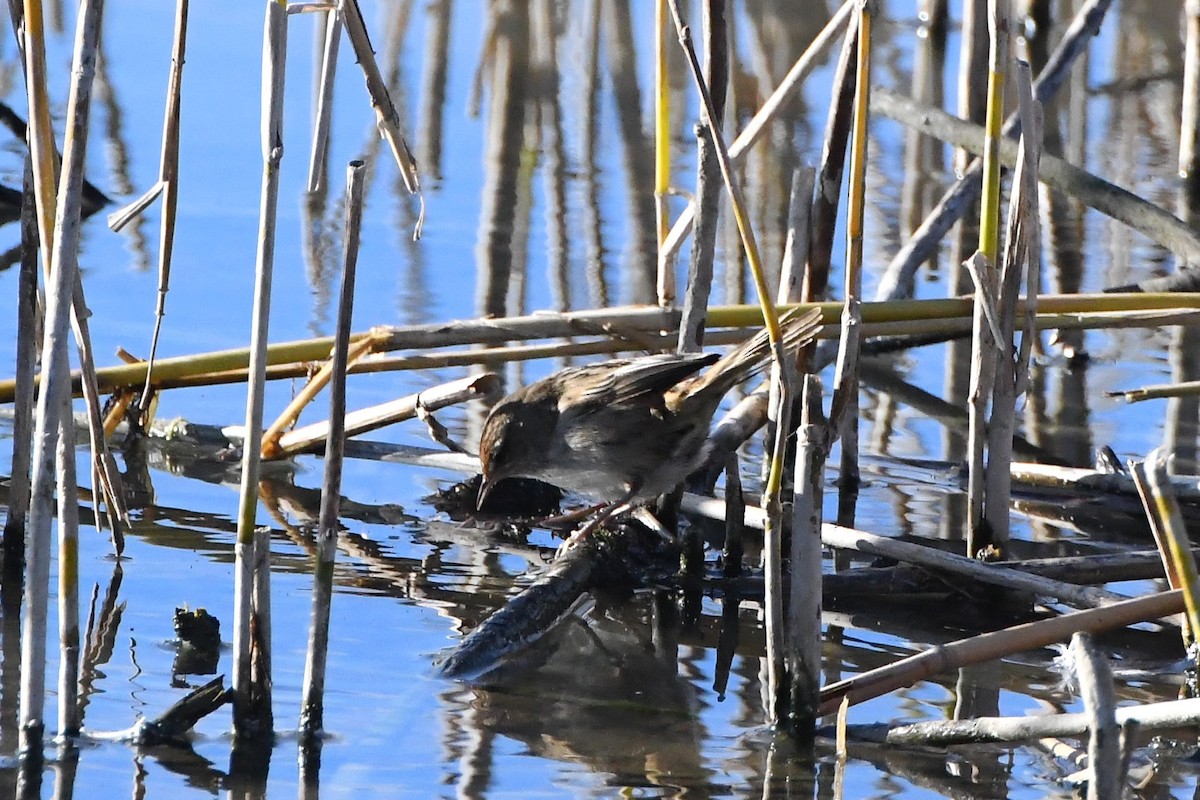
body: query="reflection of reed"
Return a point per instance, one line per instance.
(622, 59)
(503, 136)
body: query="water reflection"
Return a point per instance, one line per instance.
(530, 123)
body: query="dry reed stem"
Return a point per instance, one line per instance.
(1166, 522)
(252, 716)
(843, 413)
(309, 438)
(323, 115)
(319, 380)
(313, 686)
(907, 317)
(983, 365)
(944, 733)
(803, 656)
(988, 646)
(168, 177)
(24, 399)
(981, 572)
(1015, 258)
(386, 112)
(998, 56)
(1099, 703)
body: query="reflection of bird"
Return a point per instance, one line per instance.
(623, 431)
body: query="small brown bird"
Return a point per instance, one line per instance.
(623, 431)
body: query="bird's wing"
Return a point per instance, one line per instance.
(638, 377)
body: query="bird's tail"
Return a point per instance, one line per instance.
(798, 329)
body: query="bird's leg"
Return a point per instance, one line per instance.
(607, 512)
(570, 517)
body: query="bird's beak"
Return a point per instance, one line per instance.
(485, 488)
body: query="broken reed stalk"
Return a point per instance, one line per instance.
(312, 709)
(1157, 391)
(840, 537)
(662, 153)
(998, 56)
(944, 733)
(843, 413)
(707, 198)
(983, 365)
(988, 340)
(252, 716)
(957, 200)
(323, 116)
(1012, 362)
(988, 646)
(1100, 704)
(1170, 534)
(779, 705)
(803, 654)
(56, 426)
(168, 179)
(1157, 223)
(40, 131)
(310, 438)
(386, 113)
(770, 109)
(833, 161)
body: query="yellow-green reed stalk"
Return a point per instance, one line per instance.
(989, 210)
(270, 439)
(251, 629)
(843, 414)
(41, 130)
(1170, 533)
(662, 152)
(771, 502)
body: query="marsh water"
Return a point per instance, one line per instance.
(530, 120)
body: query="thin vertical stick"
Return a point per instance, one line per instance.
(168, 177)
(324, 113)
(312, 709)
(708, 183)
(251, 706)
